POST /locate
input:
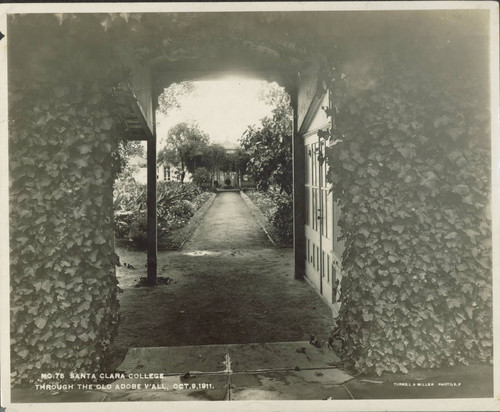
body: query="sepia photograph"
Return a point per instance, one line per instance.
(249, 206)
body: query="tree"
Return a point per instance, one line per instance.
(169, 99)
(185, 145)
(236, 162)
(168, 156)
(201, 177)
(214, 157)
(241, 159)
(127, 150)
(269, 146)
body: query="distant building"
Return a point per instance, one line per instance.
(169, 173)
(227, 175)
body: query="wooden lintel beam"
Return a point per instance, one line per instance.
(141, 121)
(135, 138)
(311, 111)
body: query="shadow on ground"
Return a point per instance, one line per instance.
(229, 296)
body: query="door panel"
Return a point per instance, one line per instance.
(323, 250)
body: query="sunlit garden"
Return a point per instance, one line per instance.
(192, 166)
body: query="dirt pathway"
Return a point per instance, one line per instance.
(229, 285)
(228, 225)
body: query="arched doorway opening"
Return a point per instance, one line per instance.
(161, 72)
(256, 313)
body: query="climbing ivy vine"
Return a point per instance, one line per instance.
(64, 123)
(410, 165)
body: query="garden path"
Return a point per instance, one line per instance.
(228, 225)
(228, 285)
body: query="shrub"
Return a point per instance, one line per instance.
(201, 177)
(137, 229)
(278, 209)
(176, 204)
(282, 218)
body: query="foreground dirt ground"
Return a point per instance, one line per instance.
(223, 297)
(227, 285)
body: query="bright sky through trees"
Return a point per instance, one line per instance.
(222, 108)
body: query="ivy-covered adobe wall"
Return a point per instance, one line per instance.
(411, 172)
(63, 128)
(65, 122)
(410, 165)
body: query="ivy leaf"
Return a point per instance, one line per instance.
(484, 294)
(468, 344)
(85, 148)
(107, 123)
(398, 228)
(453, 303)
(462, 190)
(114, 259)
(454, 133)
(392, 258)
(61, 17)
(471, 233)
(40, 322)
(406, 152)
(441, 121)
(367, 317)
(328, 111)
(81, 163)
(324, 134)
(125, 16)
(364, 232)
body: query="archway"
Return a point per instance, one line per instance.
(161, 72)
(407, 72)
(247, 249)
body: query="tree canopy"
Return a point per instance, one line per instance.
(185, 145)
(169, 99)
(269, 145)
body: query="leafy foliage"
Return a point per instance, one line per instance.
(201, 177)
(269, 145)
(127, 150)
(278, 209)
(213, 159)
(236, 161)
(63, 153)
(169, 99)
(176, 203)
(409, 164)
(63, 159)
(185, 144)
